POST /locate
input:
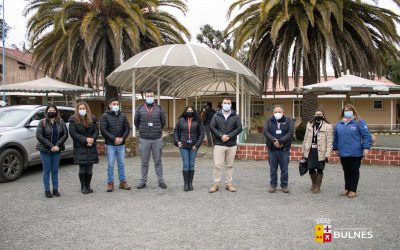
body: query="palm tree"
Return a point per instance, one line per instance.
(307, 34)
(87, 40)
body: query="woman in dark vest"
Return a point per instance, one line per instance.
(84, 133)
(51, 134)
(188, 136)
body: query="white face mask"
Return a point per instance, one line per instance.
(226, 107)
(278, 116)
(82, 112)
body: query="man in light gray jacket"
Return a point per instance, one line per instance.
(150, 120)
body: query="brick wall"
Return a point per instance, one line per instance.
(377, 156)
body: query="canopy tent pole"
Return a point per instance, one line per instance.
(74, 101)
(46, 100)
(195, 102)
(174, 110)
(249, 111)
(237, 99)
(237, 93)
(133, 103)
(242, 101)
(158, 91)
(391, 114)
(347, 98)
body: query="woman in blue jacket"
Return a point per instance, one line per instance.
(352, 140)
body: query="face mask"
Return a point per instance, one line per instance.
(82, 112)
(348, 114)
(189, 114)
(150, 100)
(226, 107)
(318, 118)
(115, 108)
(278, 116)
(51, 114)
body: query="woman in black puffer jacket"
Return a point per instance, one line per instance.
(51, 134)
(188, 136)
(84, 132)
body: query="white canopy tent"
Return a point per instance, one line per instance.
(46, 85)
(184, 70)
(352, 85)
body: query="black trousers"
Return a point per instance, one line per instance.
(351, 169)
(86, 168)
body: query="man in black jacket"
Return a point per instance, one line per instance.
(114, 127)
(278, 131)
(225, 126)
(208, 115)
(150, 120)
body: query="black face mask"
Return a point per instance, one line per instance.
(189, 114)
(318, 118)
(51, 114)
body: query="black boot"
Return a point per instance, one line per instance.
(82, 178)
(88, 181)
(186, 179)
(191, 174)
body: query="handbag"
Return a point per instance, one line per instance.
(303, 168)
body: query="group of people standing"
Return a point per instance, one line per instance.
(350, 138)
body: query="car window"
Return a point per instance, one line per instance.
(66, 114)
(38, 116)
(12, 117)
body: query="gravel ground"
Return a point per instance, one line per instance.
(153, 218)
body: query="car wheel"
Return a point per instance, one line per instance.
(11, 165)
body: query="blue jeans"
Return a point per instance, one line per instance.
(50, 162)
(188, 158)
(112, 153)
(281, 158)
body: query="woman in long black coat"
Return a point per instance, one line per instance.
(84, 133)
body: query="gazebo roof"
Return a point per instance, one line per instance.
(45, 85)
(182, 69)
(351, 85)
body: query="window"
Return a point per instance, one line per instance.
(66, 114)
(38, 116)
(21, 65)
(297, 108)
(377, 105)
(257, 108)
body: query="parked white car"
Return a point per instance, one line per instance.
(18, 138)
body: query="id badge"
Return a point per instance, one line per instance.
(150, 124)
(278, 132)
(189, 141)
(314, 146)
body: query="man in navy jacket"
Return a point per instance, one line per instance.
(278, 131)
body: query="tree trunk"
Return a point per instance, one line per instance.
(310, 100)
(111, 92)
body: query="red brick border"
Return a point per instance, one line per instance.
(377, 156)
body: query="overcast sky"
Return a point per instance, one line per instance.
(200, 12)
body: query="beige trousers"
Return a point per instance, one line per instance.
(223, 157)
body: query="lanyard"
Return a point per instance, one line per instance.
(189, 125)
(315, 131)
(149, 112)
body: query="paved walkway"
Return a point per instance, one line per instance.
(172, 219)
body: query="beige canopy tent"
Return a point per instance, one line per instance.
(351, 85)
(184, 70)
(46, 85)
